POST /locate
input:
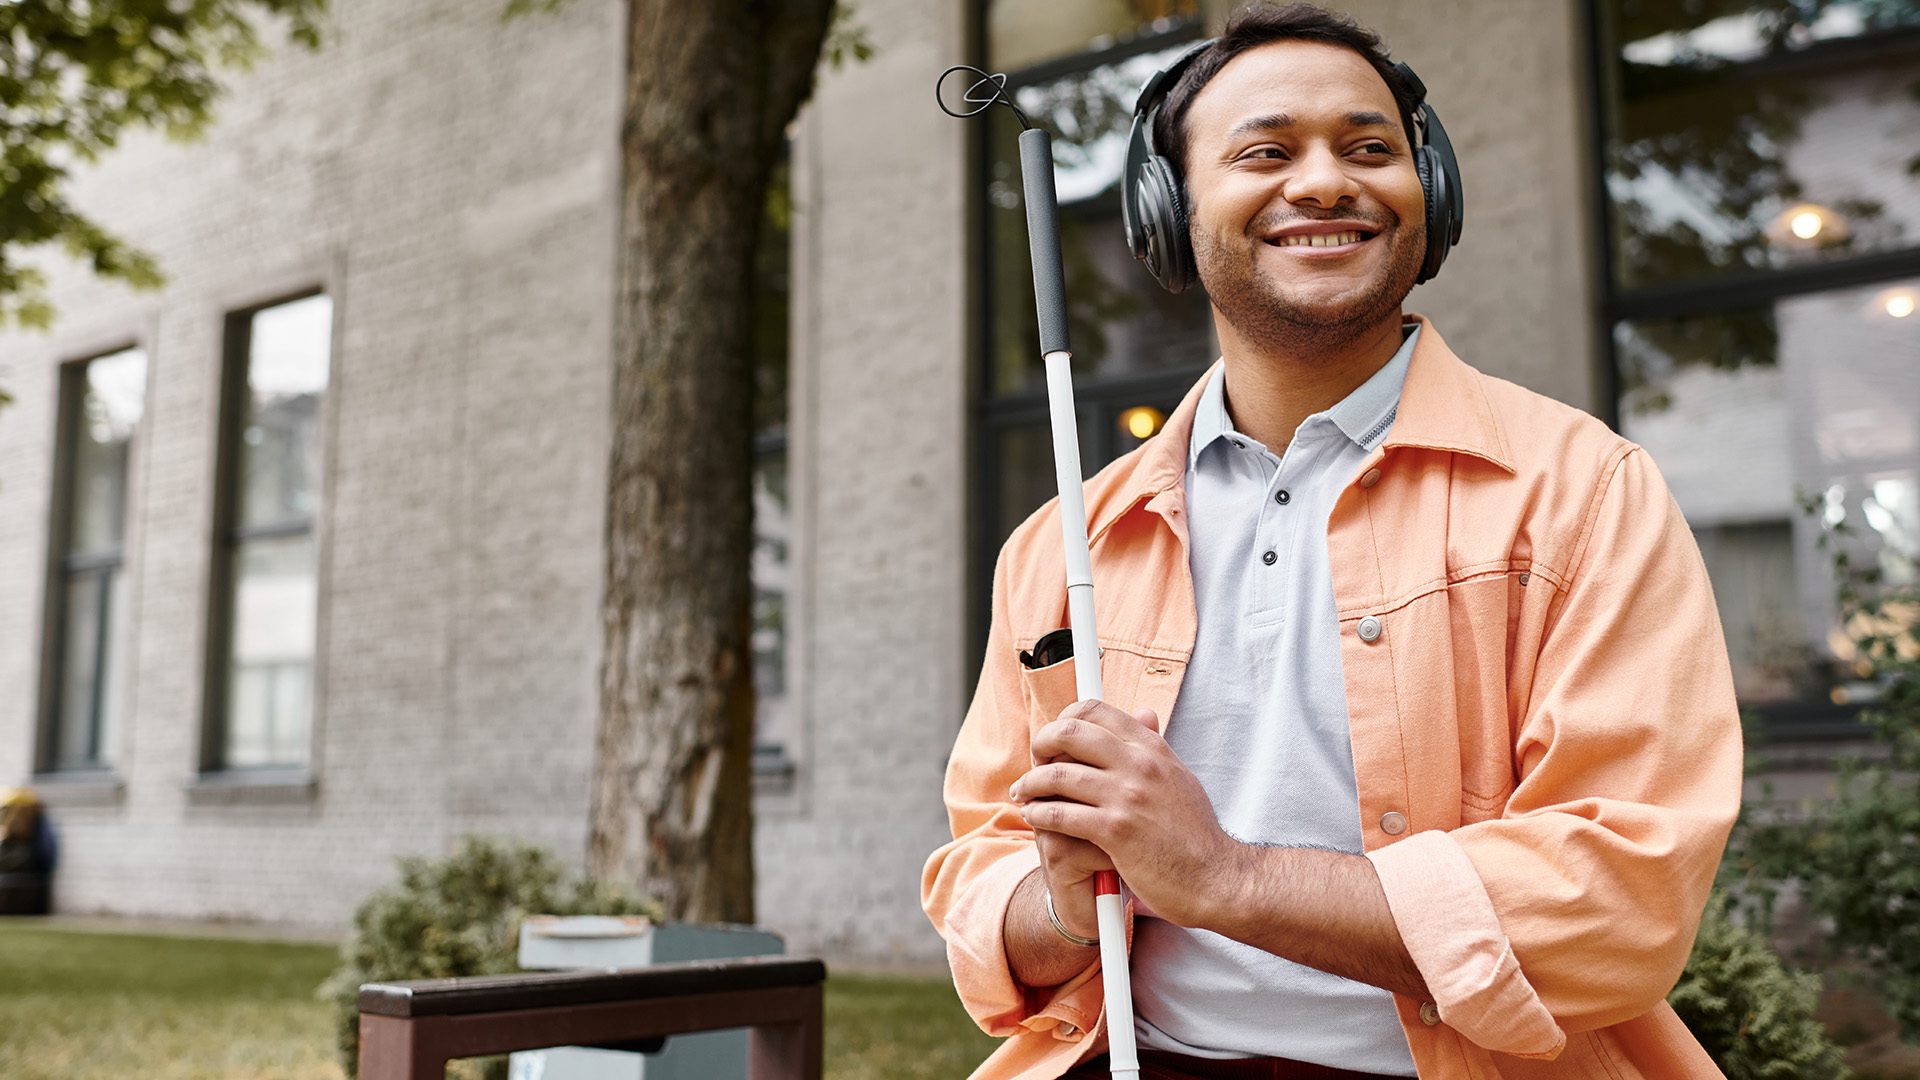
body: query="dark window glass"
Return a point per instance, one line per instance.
(1755, 136)
(1762, 182)
(1121, 322)
(773, 719)
(269, 601)
(103, 401)
(1748, 410)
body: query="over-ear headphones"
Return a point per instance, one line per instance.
(1154, 212)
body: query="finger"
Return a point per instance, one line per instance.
(1146, 719)
(1102, 714)
(1069, 860)
(1080, 738)
(1068, 818)
(1062, 780)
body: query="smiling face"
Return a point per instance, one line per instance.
(1307, 218)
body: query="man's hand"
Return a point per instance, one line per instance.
(1107, 792)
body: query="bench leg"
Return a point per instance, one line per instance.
(392, 1048)
(789, 1051)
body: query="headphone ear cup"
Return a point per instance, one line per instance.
(1169, 255)
(1433, 183)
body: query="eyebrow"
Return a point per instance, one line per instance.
(1255, 125)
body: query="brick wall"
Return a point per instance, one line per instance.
(450, 179)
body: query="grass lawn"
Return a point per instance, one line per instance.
(84, 1005)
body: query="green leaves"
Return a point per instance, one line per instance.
(847, 40)
(1856, 859)
(460, 915)
(75, 76)
(1753, 1016)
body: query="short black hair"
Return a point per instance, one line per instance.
(1260, 24)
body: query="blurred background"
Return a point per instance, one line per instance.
(301, 554)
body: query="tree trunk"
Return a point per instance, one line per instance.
(711, 87)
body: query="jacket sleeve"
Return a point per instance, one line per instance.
(968, 883)
(1576, 907)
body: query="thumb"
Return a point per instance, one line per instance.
(1148, 720)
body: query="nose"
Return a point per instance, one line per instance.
(1318, 178)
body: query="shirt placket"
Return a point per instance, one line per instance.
(1272, 544)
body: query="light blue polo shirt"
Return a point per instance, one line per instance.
(1262, 721)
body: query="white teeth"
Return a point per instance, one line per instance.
(1322, 240)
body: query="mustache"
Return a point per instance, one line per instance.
(1274, 220)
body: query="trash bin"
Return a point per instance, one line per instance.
(557, 943)
(26, 854)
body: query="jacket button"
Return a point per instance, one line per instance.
(1429, 1014)
(1393, 823)
(1369, 629)
(1370, 478)
(1069, 1030)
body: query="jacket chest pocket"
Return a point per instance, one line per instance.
(1482, 612)
(1049, 690)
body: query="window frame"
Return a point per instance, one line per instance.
(1613, 305)
(62, 565)
(224, 538)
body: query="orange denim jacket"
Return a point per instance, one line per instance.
(1544, 733)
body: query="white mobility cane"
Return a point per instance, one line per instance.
(1050, 302)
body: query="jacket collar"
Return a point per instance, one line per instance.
(1443, 406)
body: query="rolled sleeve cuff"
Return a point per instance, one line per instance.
(977, 945)
(1447, 920)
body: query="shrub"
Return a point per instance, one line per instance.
(460, 915)
(1754, 1017)
(1856, 858)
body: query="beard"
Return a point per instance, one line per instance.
(1263, 312)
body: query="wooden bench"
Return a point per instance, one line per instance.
(410, 1030)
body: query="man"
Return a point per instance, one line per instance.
(1450, 749)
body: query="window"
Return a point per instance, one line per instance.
(1076, 70)
(265, 599)
(101, 403)
(774, 736)
(1761, 190)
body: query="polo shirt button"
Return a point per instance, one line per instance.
(1370, 478)
(1282, 497)
(1369, 629)
(1393, 823)
(1429, 1014)
(1270, 558)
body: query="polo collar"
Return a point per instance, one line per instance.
(1363, 416)
(1443, 406)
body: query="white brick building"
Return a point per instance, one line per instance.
(448, 182)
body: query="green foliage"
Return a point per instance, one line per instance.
(847, 41)
(518, 8)
(75, 76)
(460, 915)
(1753, 1016)
(1856, 859)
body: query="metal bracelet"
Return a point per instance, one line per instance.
(1061, 929)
